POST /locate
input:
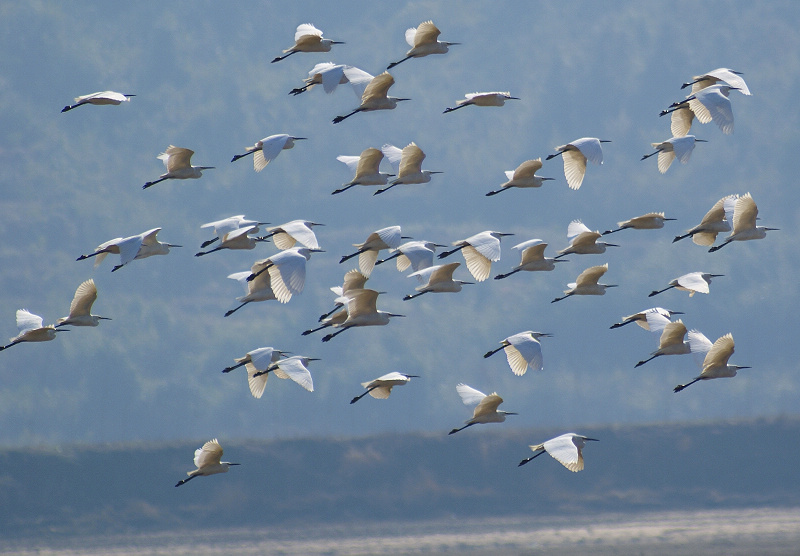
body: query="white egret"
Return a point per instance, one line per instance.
(583, 241)
(353, 280)
(131, 248)
(288, 235)
(649, 221)
(254, 361)
(287, 271)
(385, 238)
(410, 171)
(307, 38)
(523, 351)
(724, 75)
(524, 176)
(81, 307)
(436, 279)
(672, 340)
(532, 258)
(337, 317)
(178, 162)
(327, 74)
(715, 221)
(745, 214)
(423, 41)
(381, 387)
(586, 283)
(692, 282)
(362, 310)
(98, 99)
(374, 96)
(366, 167)
(294, 367)
(415, 254)
(709, 104)
(640, 318)
(207, 461)
(267, 149)
(494, 98)
(237, 239)
(674, 147)
(222, 227)
(479, 251)
(566, 449)
(486, 410)
(575, 155)
(715, 364)
(259, 289)
(31, 329)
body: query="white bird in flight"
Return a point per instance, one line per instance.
(423, 40)
(366, 167)
(479, 251)
(724, 75)
(131, 248)
(267, 149)
(259, 289)
(362, 310)
(224, 226)
(207, 461)
(493, 98)
(485, 412)
(415, 254)
(254, 361)
(649, 221)
(178, 162)
(353, 280)
(715, 364)
(692, 282)
(438, 279)
(294, 367)
(523, 351)
(672, 340)
(327, 74)
(583, 241)
(587, 283)
(81, 307)
(715, 221)
(237, 239)
(745, 214)
(381, 387)
(287, 271)
(532, 258)
(575, 155)
(288, 235)
(31, 329)
(307, 38)
(640, 318)
(98, 99)
(566, 449)
(385, 238)
(674, 147)
(708, 104)
(375, 92)
(523, 177)
(410, 170)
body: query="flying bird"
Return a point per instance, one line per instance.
(583, 241)
(385, 238)
(708, 104)
(362, 310)
(98, 99)
(715, 364)
(532, 258)
(254, 361)
(307, 38)
(523, 177)
(259, 289)
(267, 149)
(745, 214)
(692, 282)
(479, 251)
(415, 254)
(224, 226)
(294, 367)
(649, 221)
(485, 412)
(374, 96)
(436, 279)
(586, 283)
(566, 449)
(31, 329)
(131, 248)
(178, 162)
(207, 461)
(640, 318)
(523, 351)
(353, 280)
(493, 98)
(672, 340)
(719, 75)
(288, 235)
(81, 307)
(381, 387)
(715, 221)
(575, 155)
(237, 239)
(423, 41)
(410, 159)
(674, 147)
(287, 271)
(366, 167)
(327, 74)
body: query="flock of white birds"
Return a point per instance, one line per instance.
(282, 275)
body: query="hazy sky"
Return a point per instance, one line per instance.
(203, 79)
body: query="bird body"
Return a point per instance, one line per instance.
(675, 147)
(566, 449)
(423, 41)
(587, 283)
(715, 364)
(327, 74)
(715, 221)
(178, 162)
(410, 170)
(575, 155)
(238, 239)
(523, 177)
(307, 38)
(375, 95)
(288, 235)
(583, 241)
(385, 238)
(294, 367)
(267, 149)
(494, 98)
(672, 340)
(692, 282)
(207, 461)
(479, 251)
(438, 279)
(99, 99)
(523, 351)
(258, 289)
(31, 329)
(745, 214)
(381, 387)
(81, 307)
(362, 310)
(724, 75)
(131, 248)
(532, 258)
(486, 409)
(366, 167)
(649, 221)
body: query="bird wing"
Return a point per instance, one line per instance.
(655, 320)
(417, 256)
(294, 368)
(177, 158)
(717, 212)
(477, 264)
(673, 334)
(424, 276)
(443, 272)
(576, 228)
(362, 302)
(683, 147)
(390, 236)
(694, 281)
(426, 33)
(381, 392)
(353, 162)
(487, 405)
(129, 248)
(718, 106)
(257, 384)
(729, 77)
(27, 321)
(744, 213)
(565, 451)
(262, 358)
(469, 395)
(331, 77)
(306, 30)
(393, 154)
(411, 33)
(698, 343)
(665, 159)
(524, 352)
(224, 226)
(591, 275)
(527, 169)
(359, 79)
(574, 168)
(369, 162)
(591, 149)
(270, 148)
(681, 121)
(411, 161)
(353, 280)
(486, 244)
(719, 353)
(532, 250)
(85, 296)
(366, 261)
(585, 239)
(378, 87)
(288, 277)
(209, 454)
(301, 232)
(149, 237)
